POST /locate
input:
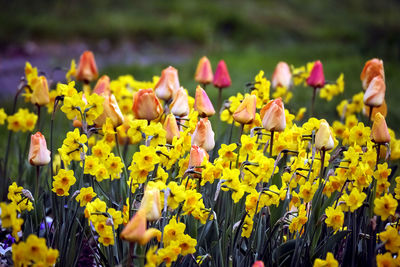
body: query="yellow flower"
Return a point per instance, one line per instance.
(176, 195)
(385, 260)
(71, 72)
(67, 90)
(187, 245)
(3, 116)
(307, 191)
(107, 237)
(114, 166)
(173, 231)
(359, 134)
(74, 106)
(63, 181)
(354, 200)
(101, 150)
(391, 238)
(328, 262)
(91, 165)
(36, 248)
(136, 130)
(335, 218)
(226, 152)
(156, 134)
(170, 253)
(23, 121)
(385, 206)
(86, 194)
(94, 107)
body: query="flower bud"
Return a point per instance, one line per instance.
(146, 105)
(204, 72)
(316, 78)
(168, 84)
(39, 155)
(375, 93)
(380, 133)
(196, 158)
(382, 109)
(282, 76)
(221, 77)
(40, 94)
(87, 69)
(372, 68)
(135, 231)
(102, 86)
(151, 204)
(180, 105)
(203, 135)
(171, 127)
(202, 103)
(258, 264)
(324, 138)
(110, 110)
(273, 116)
(246, 111)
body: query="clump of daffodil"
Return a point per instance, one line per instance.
(73, 147)
(63, 181)
(10, 218)
(22, 120)
(20, 196)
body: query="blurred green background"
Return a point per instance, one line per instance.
(143, 37)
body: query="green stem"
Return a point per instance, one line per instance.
(272, 143)
(313, 101)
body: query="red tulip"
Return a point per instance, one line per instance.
(316, 78)
(221, 77)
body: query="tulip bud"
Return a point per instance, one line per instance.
(246, 111)
(316, 78)
(202, 103)
(40, 94)
(151, 204)
(87, 69)
(180, 105)
(110, 110)
(102, 86)
(382, 109)
(258, 264)
(204, 73)
(196, 158)
(221, 77)
(273, 116)
(203, 135)
(168, 84)
(135, 231)
(372, 68)
(375, 93)
(380, 133)
(171, 127)
(323, 137)
(282, 76)
(39, 155)
(146, 105)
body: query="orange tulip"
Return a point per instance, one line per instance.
(151, 204)
(246, 111)
(382, 109)
(102, 86)
(40, 94)
(87, 69)
(273, 116)
(221, 77)
(204, 72)
(146, 105)
(168, 84)
(110, 110)
(180, 105)
(135, 231)
(375, 93)
(372, 68)
(39, 155)
(203, 135)
(202, 103)
(316, 78)
(258, 264)
(196, 158)
(171, 127)
(380, 133)
(324, 138)
(282, 76)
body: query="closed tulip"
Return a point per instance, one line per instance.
(151, 204)
(196, 158)
(324, 138)
(246, 111)
(203, 135)
(202, 103)
(110, 110)
(380, 133)
(168, 84)
(180, 105)
(282, 76)
(204, 72)
(146, 105)
(102, 86)
(273, 116)
(221, 77)
(372, 68)
(39, 155)
(171, 127)
(375, 93)
(40, 94)
(87, 69)
(316, 78)
(136, 230)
